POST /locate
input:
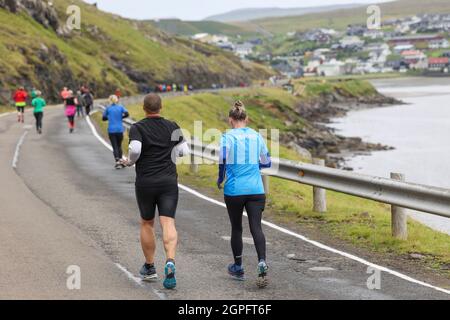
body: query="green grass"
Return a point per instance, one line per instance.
(290, 202)
(5, 109)
(312, 88)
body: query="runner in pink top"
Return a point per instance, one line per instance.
(71, 109)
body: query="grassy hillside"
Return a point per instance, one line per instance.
(356, 221)
(189, 28)
(107, 53)
(340, 19)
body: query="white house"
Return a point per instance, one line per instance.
(351, 41)
(439, 44)
(374, 34)
(331, 68)
(244, 49)
(403, 47)
(202, 37)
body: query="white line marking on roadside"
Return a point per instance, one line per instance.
(5, 114)
(298, 236)
(94, 131)
(17, 152)
(130, 276)
(139, 281)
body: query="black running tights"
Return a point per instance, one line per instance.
(254, 205)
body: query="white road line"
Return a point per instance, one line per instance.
(94, 131)
(17, 152)
(130, 276)
(139, 282)
(298, 236)
(5, 114)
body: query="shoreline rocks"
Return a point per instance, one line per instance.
(322, 141)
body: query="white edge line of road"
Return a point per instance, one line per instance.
(293, 234)
(5, 114)
(17, 152)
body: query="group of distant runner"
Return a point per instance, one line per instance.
(173, 88)
(79, 104)
(154, 145)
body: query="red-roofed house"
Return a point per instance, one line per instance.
(438, 64)
(415, 59)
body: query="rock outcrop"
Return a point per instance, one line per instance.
(41, 11)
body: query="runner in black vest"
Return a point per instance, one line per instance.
(155, 143)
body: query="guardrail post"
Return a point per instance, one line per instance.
(194, 164)
(399, 216)
(319, 194)
(266, 183)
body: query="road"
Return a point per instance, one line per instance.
(65, 205)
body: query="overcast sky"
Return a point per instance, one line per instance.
(199, 9)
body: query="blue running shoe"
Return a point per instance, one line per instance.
(237, 272)
(262, 281)
(170, 282)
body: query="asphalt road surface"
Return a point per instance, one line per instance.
(65, 205)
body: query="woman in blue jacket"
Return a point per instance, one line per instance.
(115, 113)
(243, 154)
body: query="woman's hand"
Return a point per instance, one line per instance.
(125, 162)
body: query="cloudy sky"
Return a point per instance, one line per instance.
(199, 9)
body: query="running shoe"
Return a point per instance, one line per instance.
(148, 273)
(170, 282)
(118, 165)
(262, 281)
(237, 272)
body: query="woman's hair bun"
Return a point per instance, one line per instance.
(238, 111)
(238, 104)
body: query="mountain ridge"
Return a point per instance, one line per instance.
(248, 14)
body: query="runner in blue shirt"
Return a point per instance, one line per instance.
(243, 154)
(115, 113)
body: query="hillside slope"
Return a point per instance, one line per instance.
(340, 19)
(108, 52)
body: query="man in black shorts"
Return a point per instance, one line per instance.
(155, 143)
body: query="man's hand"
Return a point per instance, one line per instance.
(219, 185)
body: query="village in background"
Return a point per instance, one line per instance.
(417, 44)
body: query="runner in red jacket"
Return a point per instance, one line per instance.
(20, 98)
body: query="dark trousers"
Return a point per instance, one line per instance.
(116, 143)
(39, 116)
(254, 205)
(88, 109)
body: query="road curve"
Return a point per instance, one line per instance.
(65, 205)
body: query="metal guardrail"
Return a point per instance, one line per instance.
(407, 195)
(396, 193)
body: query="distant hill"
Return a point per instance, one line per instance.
(259, 13)
(342, 17)
(189, 28)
